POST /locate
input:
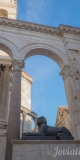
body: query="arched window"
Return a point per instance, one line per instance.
(3, 13)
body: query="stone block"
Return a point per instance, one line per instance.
(46, 150)
(19, 156)
(2, 147)
(78, 131)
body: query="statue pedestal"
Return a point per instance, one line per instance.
(45, 149)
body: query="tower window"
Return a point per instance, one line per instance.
(3, 13)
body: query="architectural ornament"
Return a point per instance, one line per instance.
(66, 72)
(39, 28)
(17, 64)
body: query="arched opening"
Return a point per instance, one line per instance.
(46, 91)
(47, 51)
(6, 50)
(3, 13)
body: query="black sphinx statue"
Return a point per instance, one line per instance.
(47, 132)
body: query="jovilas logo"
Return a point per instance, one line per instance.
(57, 152)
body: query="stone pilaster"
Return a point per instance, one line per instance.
(13, 131)
(74, 60)
(23, 123)
(73, 102)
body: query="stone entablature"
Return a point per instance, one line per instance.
(40, 28)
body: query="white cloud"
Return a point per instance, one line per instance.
(35, 10)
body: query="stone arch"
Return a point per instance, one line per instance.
(46, 50)
(8, 47)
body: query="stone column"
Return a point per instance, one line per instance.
(13, 131)
(23, 123)
(76, 78)
(2, 67)
(73, 101)
(4, 102)
(4, 91)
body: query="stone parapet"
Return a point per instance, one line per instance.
(45, 150)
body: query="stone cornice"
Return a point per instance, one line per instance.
(39, 28)
(7, 4)
(45, 142)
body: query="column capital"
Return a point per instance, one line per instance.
(17, 64)
(66, 72)
(24, 113)
(2, 67)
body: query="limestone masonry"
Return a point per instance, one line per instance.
(18, 41)
(63, 118)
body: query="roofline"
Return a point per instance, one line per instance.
(28, 77)
(60, 30)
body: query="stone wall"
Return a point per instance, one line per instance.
(2, 147)
(46, 150)
(26, 82)
(63, 118)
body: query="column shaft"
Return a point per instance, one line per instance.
(13, 131)
(73, 102)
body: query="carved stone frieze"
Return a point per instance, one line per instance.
(17, 64)
(39, 28)
(66, 72)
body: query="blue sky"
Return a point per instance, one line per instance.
(48, 88)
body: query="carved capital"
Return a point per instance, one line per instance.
(72, 55)
(2, 67)
(17, 64)
(66, 72)
(76, 76)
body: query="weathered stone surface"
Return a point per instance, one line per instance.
(63, 118)
(13, 131)
(45, 150)
(9, 9)
(2, 147)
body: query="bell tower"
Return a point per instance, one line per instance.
(8, 9)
